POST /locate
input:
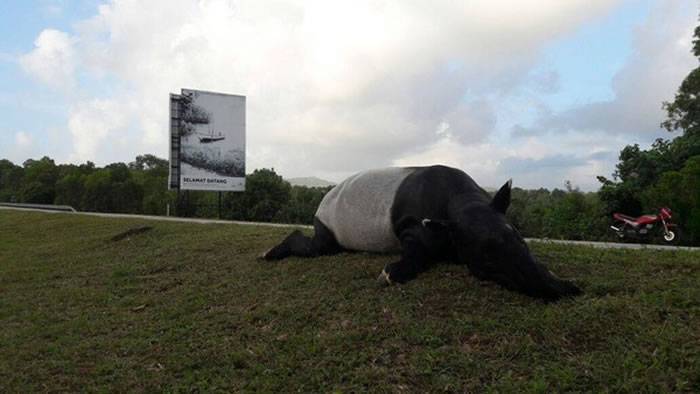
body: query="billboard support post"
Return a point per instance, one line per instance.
(187, 203)
(175, 141)
(220, 205)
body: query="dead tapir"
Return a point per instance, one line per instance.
(429, 214)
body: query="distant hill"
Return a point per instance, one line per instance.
(310, 181)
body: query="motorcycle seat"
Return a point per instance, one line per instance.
(620, 216)
(644, 219)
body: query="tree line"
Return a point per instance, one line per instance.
(140, 187)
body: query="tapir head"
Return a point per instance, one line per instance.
(494, 250)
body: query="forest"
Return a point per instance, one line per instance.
(665, 174)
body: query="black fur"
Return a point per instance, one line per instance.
(427, 193)
(297, 244)
(440, 213)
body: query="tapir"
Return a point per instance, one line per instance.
(428, 214)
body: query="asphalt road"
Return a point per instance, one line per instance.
(603, 245)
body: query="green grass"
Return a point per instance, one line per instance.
(187, 307)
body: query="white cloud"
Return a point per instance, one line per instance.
(53, 60)
(532, 163)
(98, 126)
(480, 161)
(332, 87)
(585, 140)
(22, 147)
(660, 60)
(23, 140)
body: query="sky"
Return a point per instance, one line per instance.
(540, 91)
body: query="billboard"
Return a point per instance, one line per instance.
(207, 141)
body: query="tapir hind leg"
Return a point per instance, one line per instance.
(297, 244)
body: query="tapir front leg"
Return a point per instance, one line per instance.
(415, 258)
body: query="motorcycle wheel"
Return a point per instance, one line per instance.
(672, 237)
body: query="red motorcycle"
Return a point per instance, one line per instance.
(647, 226)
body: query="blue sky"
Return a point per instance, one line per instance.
(542, 94)
(587, 60)
(583, 62)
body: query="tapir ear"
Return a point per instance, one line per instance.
(501, 200)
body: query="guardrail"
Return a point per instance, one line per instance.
(45, 207)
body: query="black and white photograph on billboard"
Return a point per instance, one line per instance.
(212, 141)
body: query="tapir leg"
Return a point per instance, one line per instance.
(297, 244)
(416, 257)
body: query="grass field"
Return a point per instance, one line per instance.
(188, 307)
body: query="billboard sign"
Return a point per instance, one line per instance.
(207, 141)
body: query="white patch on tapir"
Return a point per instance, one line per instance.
(358, 210)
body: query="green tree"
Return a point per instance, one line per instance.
(97, 192)
(10, 181)
(302, 205)
(575, 215)
(39, 182)
(265, 195)
(70, 190)
(70, 187)
(151, 172)
(680, 190)
(151, 163)
(684, 111)
(528, 209)
(112, 189)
